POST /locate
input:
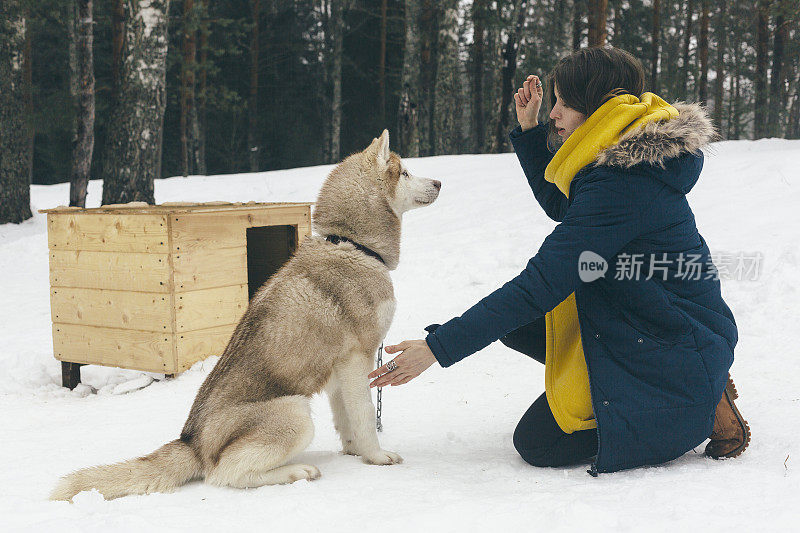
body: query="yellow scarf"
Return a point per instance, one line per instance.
(566, 377)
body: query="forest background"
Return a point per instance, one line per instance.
(129, 91)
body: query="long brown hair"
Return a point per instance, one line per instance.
(588, 77)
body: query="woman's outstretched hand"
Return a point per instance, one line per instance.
(528, 99)
(414, 358)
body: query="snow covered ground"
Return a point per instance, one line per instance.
(452, 426)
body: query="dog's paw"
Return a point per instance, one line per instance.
(382, 457)
(349, 448)
(296, 472)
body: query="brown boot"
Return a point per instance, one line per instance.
(731, 434)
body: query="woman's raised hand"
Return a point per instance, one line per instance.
(529, 99)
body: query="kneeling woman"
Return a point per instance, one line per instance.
(637, 355)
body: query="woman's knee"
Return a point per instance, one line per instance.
(527, 449)
(555, 451)
(534, 456)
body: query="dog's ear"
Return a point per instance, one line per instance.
(383, 149)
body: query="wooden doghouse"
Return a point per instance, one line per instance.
(157, 288)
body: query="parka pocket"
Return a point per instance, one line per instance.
(675, 329)
(662, 338)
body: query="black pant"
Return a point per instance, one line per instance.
(538, 439)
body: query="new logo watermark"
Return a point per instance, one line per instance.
(591, 266)
(718, 265)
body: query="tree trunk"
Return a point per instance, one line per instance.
(687, 37)
(429, 55)
(382, 65)
(326, 88)
(731, 102)
(737, 119)
(597, 22)
(776, 88)
(478, 55)
(615, 39)
(407, 113)
(82, 72)
(720, 67)
(654, 49)
(337, 30)
(27, 85)
(578, 8)
(188, 125)
(117, 43)
(15, 150)
(762, 43)
(793, 124)
(509, 71)
(201, 93)
(702, 52)
(252, 104)
(448, 89)
(135, 131)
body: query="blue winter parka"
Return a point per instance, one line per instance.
(657, 336)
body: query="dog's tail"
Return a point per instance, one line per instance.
(164, 470)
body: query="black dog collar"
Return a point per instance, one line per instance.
(336, 239)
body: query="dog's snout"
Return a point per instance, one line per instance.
(437, 184)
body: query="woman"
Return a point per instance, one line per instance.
(636, 359)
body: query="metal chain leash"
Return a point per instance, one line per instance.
(379, 425)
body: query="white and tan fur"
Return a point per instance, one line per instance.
(315, 325)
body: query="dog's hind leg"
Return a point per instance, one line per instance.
(259, 455)
(353, 384)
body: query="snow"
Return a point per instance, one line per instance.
(452, 426)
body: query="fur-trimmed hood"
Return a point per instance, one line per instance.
(669, 151)
(656, 142)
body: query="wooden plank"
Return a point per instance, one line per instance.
(206, 269)
(140, 272)
(127, 348)
(173, 207)
(147, 311)
(171, 263)
(193, 346)
(107, 232)
(227, 229)
(210, 307)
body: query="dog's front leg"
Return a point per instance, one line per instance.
(340, 420)
(353, 385)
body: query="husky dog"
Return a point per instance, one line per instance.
(314, 325)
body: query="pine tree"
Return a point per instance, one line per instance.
(447, 92)
(597, 22)
(509, 71)
(654, 52)
(702, 52)
(479, 16)
(15, 147)
(760, 103)
(720, 67)
(337, 51)
(687, 37)
(777, 101)
(189, 122)
(252, 104)
(579, 7)
(82, 89)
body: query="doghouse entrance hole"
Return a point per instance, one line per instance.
(268, 248)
